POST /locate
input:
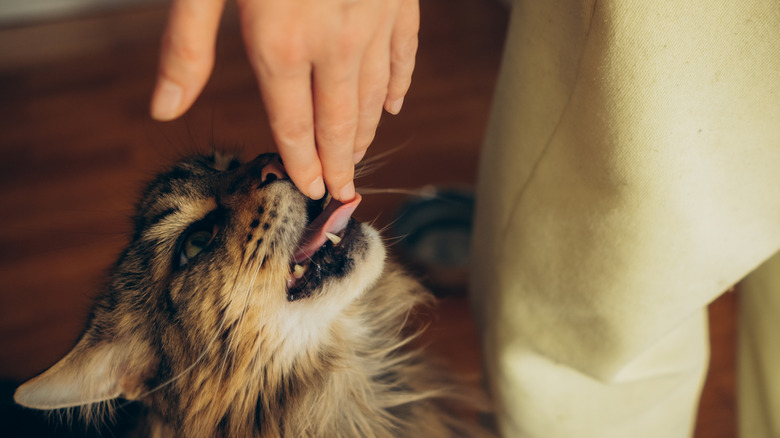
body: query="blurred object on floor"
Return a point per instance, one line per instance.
(434, 236)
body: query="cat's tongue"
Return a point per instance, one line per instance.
(333, 219)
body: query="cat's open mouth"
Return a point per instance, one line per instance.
(323, 250)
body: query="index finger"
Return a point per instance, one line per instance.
(336, 120)
(284, 76)
(288, 101)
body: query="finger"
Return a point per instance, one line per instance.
(284, 75)
(374, 78)
(335, 115)
(186, 57)
(288, 102)
(358, 156)
(403, 51)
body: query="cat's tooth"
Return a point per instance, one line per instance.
(333, 238)
(298, 271)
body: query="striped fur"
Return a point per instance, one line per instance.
(216, 348)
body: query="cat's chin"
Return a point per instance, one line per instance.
(307, 322)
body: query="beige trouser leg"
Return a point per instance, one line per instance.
(759, 352)
(629, 176)
(554, 400)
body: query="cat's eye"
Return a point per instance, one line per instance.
(196, 240)
(195, 243)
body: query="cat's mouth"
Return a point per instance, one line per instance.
(323, 250)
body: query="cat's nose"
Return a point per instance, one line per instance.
(263, 170)
(266, 168)
(272, 171)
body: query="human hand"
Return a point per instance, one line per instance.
(326, 69)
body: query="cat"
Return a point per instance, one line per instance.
(242, 308)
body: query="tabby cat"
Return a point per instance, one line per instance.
(242, 308)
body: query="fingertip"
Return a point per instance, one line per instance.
(166, 101)
(394, 106)
(316, 189)
(357, 156)
(347, 192)
(305, 171)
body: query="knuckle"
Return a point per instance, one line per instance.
(280, 57)
(399, 86)
(337, 133)
(406, 50)
(376, 98)
(184, 50)
(363, 141)
(292, 134)
(401, 78)
(346, 47)
(308, 171)
(302, 169)
(349, 42)
(339, 175)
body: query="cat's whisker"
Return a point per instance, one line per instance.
(388, 226)
(311, 260)
(382, 155)
(392, 241)
(366, 169)
(374, 162)
(426, 192)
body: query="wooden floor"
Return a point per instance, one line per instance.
(76, 144)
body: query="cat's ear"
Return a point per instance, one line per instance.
(92, 372)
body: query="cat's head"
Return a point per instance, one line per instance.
(232, 275)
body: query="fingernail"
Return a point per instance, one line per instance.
(357, 156)
(167, 99)
(395, 106)
(347, 192)
(317, 188)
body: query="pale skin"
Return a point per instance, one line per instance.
(326, 68)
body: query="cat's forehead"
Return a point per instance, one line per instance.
(192, 174)
(193, 180)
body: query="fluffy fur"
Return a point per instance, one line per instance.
(216, 345)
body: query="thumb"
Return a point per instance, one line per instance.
(186, 57)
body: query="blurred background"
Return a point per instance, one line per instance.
(77, 145)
